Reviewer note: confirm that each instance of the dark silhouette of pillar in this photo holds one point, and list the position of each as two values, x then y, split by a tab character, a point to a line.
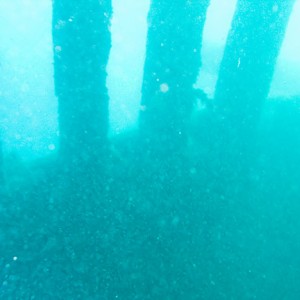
81	43
171	68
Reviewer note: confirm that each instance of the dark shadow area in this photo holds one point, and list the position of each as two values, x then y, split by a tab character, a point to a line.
135	231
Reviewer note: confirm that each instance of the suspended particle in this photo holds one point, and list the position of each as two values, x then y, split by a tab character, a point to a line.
57	48
51	147
275	8
60	24
164	88
143	108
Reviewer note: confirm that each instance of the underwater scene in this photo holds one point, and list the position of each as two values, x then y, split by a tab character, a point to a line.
150	149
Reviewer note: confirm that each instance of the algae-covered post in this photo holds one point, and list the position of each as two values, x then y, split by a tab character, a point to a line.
245	76
171	68
81	45
249	59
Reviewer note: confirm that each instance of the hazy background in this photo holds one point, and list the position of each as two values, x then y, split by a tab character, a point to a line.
28	107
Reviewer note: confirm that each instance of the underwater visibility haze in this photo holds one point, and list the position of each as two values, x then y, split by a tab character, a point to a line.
149	149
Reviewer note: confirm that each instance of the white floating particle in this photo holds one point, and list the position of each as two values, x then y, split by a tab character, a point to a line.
15	258
175	221
164	88
51	147
193	171
57	48
60	24
143	108
275	8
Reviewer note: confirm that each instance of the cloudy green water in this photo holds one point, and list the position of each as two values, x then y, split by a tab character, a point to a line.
132	235
27	55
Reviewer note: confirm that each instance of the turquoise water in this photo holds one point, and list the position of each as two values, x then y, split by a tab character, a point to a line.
149	150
